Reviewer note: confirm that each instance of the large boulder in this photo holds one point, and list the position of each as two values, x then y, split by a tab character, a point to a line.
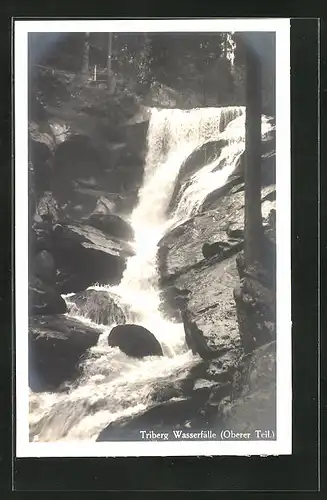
209	315
100	306
85	256
44	298
56	346
134	340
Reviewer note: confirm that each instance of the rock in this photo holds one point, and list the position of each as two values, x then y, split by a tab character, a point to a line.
204	386
218	392
56	346
209	250
44	267
105	206
182	248
252	404
221	368
256	310
177	385
85	256
42	139
174	414
44	298
99	306
172	301
201	156
48	209
268	160
209	314
134	340
112	225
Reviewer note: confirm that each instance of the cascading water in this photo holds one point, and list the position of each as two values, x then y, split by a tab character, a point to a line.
114	385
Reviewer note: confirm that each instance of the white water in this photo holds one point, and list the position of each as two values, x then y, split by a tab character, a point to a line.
114	385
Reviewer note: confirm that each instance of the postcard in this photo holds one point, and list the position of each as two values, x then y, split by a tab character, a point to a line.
152	237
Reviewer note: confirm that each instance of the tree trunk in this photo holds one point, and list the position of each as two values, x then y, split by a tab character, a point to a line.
86	54
109	55
111	79
252	175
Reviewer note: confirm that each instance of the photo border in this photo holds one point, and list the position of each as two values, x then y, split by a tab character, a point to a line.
285	473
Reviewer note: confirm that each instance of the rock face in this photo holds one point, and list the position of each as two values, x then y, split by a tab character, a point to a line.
220	222
134	340
44	298
201	156
112	225
210	316
89	255
81	254
252	403
45	267
174	414
99	306
56	346
41	147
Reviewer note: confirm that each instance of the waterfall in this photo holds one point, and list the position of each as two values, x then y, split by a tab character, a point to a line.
112	384
216	173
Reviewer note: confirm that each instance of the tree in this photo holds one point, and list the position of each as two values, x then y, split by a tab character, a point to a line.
111	77
252	174
86	54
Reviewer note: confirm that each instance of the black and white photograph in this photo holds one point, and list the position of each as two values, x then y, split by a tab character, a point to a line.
152	254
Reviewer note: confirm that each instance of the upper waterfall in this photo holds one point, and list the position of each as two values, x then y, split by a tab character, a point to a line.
173	134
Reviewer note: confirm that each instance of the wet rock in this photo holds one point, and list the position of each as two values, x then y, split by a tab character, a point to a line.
135	341
209	315
172	302
178	385
112	225
252	404
201	156
44	298
183	414
85	256
182	248
56	346
99	306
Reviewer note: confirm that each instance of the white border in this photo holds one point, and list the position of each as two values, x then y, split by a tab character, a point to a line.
283	444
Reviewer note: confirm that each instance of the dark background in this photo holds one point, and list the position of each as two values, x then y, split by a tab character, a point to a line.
296	472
